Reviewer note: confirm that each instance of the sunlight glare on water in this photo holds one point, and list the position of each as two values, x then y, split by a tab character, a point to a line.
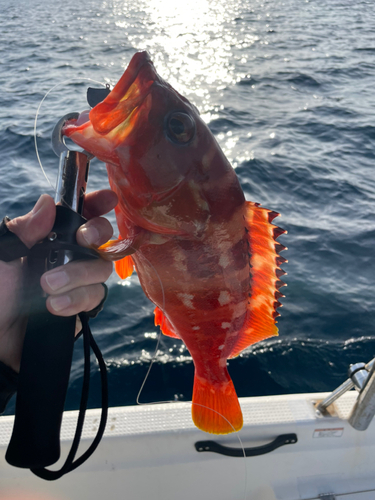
191	44
200	40
198	47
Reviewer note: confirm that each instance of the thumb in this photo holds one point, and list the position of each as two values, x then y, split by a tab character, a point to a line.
35	225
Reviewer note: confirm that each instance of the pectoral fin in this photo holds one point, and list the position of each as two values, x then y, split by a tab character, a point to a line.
120	248
124	267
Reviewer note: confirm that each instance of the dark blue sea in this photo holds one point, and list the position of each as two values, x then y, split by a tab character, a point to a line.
287	88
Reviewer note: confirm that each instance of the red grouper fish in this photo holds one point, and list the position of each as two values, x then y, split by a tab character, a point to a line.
205	257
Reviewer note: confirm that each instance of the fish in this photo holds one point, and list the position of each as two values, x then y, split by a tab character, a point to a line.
207	258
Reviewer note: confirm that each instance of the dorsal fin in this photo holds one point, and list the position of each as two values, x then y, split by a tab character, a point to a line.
264	276
164	323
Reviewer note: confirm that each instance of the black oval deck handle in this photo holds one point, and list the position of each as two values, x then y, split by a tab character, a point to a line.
229	451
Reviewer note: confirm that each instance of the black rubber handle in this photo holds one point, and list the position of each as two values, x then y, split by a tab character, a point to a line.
202	446
46	360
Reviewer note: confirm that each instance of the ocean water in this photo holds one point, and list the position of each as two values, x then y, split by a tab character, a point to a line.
287	89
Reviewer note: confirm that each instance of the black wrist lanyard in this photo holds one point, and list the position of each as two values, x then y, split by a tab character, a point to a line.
71	464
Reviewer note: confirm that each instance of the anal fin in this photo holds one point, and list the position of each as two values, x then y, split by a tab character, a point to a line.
164	323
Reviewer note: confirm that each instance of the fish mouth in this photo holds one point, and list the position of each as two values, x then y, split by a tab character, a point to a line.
126	97
115	116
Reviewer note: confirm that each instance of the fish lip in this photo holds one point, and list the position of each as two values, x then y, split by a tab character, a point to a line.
140	61
127	96
137	63
140	72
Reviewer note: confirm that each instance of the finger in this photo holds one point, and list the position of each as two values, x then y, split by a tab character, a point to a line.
95	232
37	224
76	301
79	273
99	203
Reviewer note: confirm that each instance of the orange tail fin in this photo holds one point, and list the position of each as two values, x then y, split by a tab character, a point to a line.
216	408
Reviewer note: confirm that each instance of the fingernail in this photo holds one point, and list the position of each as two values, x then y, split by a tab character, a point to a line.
57	280
90	234
60	303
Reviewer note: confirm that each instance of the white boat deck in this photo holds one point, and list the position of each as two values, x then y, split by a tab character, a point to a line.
148	453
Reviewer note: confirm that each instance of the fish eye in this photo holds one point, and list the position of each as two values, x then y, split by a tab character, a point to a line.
180	127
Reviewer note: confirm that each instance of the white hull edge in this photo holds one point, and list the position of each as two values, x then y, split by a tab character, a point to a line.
148	452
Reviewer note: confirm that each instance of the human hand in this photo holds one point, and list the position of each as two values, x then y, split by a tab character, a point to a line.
72	288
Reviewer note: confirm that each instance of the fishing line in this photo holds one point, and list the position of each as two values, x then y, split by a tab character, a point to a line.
66	82
235	433
153	358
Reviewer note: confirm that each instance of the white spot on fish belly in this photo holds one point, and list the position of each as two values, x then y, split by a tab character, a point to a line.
180	260
225	325
206	162
221	347
196	328
158	239
224	297
224	260
239	309
223	240
164	209
186	299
